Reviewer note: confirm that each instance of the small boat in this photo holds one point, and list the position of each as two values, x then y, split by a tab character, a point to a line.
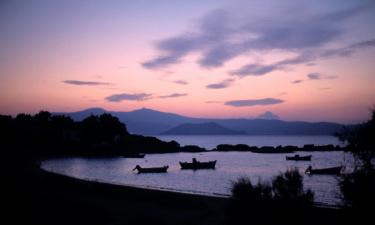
299	158
195	165
133	155
151	169
328	171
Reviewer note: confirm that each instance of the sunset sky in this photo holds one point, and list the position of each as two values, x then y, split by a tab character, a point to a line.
301	60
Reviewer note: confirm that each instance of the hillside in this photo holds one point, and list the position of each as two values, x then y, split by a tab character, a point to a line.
209	128
151	122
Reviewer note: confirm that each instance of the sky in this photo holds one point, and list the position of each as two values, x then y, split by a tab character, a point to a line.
293	60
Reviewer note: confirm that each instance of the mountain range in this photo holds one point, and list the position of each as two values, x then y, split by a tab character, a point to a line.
151	122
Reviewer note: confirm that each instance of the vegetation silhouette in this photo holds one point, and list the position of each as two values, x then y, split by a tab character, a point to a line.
284	198
45	135
358	187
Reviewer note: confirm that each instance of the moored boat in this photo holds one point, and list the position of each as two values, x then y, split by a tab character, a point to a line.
198	165
151	169
299	158
327	171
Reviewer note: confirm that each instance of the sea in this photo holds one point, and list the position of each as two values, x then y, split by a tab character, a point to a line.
229	168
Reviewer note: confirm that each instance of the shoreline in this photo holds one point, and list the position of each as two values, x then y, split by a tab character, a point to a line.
170	190
142	188
40	197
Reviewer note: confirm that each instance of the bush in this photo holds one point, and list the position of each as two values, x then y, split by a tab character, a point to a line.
288	188
244	190
358	189
283	195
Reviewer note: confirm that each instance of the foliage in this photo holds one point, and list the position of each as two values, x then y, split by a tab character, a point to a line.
45	134
288	188
285	188
244	190
361	141
358	189
284	194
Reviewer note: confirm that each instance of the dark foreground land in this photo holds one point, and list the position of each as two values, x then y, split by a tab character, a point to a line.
38	197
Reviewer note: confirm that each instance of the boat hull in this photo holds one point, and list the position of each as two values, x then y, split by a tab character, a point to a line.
153	170
198	165
299	158
325	171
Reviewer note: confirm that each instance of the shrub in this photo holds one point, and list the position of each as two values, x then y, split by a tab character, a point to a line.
288	188
270	203
244	190
358	189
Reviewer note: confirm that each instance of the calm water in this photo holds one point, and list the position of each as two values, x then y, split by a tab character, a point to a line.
230	166
211	141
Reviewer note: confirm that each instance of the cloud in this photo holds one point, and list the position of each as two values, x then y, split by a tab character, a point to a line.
182	82
319	76
223	84
307	57
82	83
174	95
255	69
254	102
268	116
314	76
128	97
297	81
259	69
224	34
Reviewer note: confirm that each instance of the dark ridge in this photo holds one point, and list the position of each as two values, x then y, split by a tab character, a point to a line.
151	122
209	128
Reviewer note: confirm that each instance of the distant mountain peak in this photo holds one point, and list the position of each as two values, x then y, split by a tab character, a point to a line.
144	110
268	115
93	110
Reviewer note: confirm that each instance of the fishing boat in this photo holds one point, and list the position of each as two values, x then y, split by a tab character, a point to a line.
151	169
328	171
299	158
195	165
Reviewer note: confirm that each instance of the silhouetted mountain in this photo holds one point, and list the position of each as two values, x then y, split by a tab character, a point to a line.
80	115
209	128
150	122
279	127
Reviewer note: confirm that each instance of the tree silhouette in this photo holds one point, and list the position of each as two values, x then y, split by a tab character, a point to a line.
361	141
358	187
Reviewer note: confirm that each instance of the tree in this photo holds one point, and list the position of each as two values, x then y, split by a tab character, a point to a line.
358	187
361	141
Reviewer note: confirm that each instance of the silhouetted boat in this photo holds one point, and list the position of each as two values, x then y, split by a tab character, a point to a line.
329	171
133	155
151	169
198	165
299	158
